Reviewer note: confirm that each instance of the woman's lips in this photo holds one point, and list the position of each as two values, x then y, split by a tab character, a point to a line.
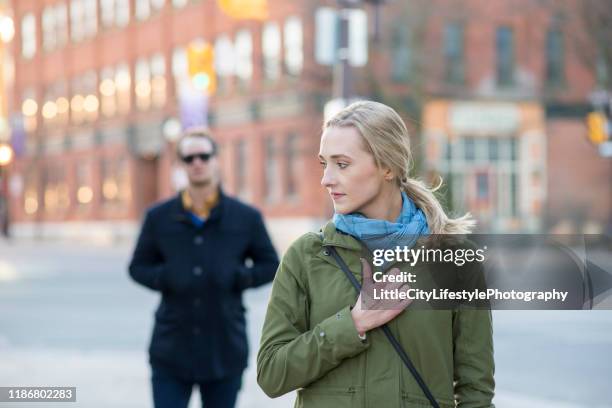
336	196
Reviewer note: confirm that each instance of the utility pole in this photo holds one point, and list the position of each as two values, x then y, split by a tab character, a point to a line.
600	133
342	70
343	91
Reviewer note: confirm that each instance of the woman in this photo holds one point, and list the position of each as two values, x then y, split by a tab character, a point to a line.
317	339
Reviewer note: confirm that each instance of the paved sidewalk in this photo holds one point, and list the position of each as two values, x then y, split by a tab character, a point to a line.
70	316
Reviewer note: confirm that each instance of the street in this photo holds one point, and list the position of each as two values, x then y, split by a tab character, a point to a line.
71	316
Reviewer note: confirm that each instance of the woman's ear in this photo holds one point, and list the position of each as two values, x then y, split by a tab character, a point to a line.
388	174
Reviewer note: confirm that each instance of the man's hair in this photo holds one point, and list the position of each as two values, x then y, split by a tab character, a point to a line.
202	133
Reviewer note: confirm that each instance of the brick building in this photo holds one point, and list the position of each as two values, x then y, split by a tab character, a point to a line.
497	92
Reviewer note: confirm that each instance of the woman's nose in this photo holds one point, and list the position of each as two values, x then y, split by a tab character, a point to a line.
328	178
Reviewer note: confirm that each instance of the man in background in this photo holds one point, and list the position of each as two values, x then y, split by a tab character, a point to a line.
201	250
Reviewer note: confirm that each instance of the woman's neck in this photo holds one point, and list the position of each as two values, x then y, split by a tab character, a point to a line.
387	207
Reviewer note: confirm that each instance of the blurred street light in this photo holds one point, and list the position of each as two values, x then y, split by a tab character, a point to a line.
6	154
171	129
245	9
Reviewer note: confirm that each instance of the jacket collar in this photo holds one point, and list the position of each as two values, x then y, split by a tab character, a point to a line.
333	237
179	212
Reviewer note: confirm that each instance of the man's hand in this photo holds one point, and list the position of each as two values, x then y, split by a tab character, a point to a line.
378	311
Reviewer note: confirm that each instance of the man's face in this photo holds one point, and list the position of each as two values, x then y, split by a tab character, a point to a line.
199	161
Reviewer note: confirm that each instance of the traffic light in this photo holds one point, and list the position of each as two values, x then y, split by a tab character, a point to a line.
597	124
201	67
245	9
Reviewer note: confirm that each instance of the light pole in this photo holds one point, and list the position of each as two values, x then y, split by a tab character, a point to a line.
6	156
600	131
7	31
343	92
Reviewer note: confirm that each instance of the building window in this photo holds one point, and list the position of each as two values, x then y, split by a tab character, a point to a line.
91	104
77	13
482	186
555	56
294	38
122	12
28	36
123	86
469	149
77	110
55	187
180	72
90	16
150	78
514	196
158	80
84	190
107	13
30	195
241	170
271	48
224	61
293	165
271	170
108	92
115	181
63	108
504	41
54	27
61	24
29	109
157	4
401	55
602	72
115	13
84	104
244	56
454	40
179	3
143	9
326	35
50	107
48	28
142	77
493	151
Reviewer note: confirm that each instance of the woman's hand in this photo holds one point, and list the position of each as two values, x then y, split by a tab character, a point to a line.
378	311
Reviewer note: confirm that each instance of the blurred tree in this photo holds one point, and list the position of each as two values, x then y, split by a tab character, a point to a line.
404	47
593	41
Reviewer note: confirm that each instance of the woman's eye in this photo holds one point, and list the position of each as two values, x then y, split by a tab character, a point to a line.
323	164
343	165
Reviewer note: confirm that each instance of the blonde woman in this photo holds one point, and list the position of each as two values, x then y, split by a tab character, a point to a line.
318	339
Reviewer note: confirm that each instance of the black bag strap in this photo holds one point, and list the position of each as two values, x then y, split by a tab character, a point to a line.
396	345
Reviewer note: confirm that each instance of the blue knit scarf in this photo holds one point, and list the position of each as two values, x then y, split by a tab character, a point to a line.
382	234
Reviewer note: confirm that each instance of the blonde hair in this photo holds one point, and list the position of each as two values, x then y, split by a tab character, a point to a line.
386	137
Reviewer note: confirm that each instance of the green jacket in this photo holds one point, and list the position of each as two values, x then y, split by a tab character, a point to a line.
309	342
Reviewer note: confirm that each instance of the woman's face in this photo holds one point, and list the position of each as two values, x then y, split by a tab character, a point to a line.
350	173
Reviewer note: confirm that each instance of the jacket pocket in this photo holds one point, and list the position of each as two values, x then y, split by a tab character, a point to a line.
332	397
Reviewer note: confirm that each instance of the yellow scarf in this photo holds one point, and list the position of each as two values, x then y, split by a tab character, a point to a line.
203	211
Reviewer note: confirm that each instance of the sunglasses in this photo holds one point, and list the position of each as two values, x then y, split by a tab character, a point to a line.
191	157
